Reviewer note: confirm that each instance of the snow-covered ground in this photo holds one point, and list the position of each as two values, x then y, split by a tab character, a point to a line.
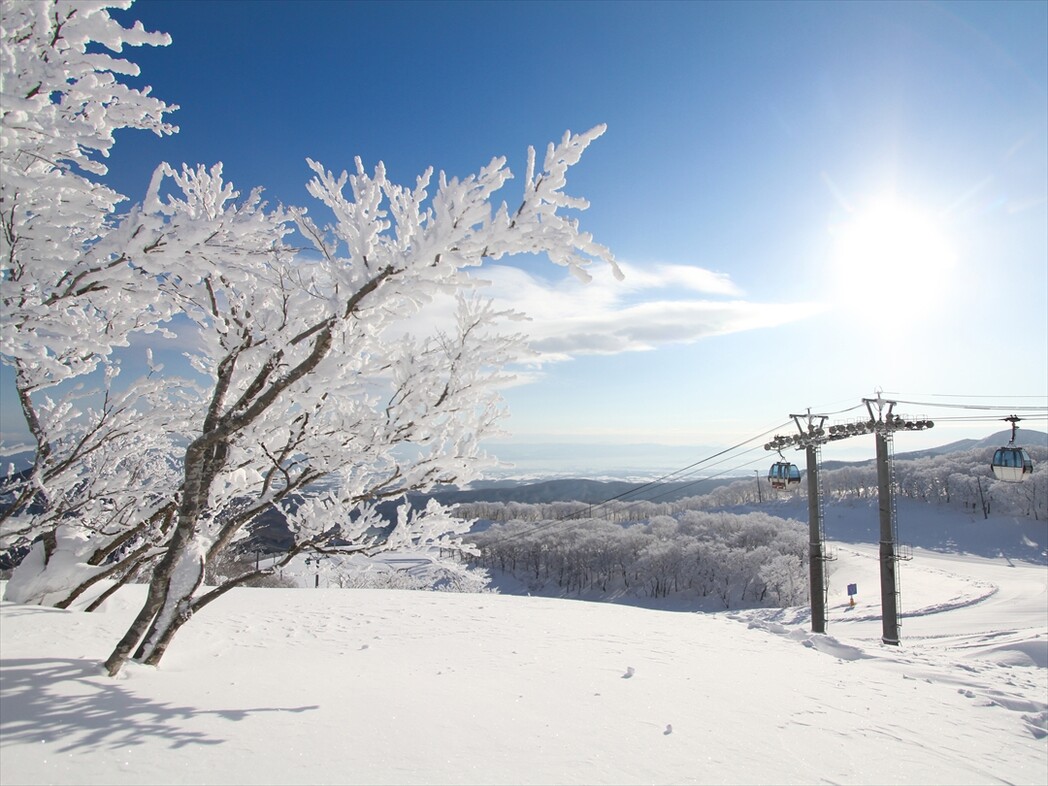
383	686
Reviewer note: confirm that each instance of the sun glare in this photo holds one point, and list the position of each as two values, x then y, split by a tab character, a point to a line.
890	256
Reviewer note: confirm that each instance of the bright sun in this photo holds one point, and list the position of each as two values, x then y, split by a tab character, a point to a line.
890	256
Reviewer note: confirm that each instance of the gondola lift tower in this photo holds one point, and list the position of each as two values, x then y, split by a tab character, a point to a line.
813	434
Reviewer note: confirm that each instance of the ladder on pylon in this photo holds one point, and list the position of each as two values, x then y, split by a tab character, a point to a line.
901	553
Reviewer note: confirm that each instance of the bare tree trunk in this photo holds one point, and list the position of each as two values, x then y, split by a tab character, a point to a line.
159	601
154	600
174	611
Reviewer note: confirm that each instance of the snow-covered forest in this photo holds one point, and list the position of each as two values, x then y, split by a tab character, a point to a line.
740	560
704	549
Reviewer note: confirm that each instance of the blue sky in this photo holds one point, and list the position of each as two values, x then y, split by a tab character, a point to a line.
811	200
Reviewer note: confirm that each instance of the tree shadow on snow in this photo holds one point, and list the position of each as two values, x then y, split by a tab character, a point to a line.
72	700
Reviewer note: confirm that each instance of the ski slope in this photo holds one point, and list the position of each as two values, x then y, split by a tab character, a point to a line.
397	687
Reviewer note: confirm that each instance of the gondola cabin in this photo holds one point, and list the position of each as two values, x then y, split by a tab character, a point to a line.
1011	464
783	475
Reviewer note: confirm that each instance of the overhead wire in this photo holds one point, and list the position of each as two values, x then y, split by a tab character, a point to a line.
984	418
971	395
860	405
677	488
976	407
703	479
693	466
581	516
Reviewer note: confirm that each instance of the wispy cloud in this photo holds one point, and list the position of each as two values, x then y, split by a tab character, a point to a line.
654	306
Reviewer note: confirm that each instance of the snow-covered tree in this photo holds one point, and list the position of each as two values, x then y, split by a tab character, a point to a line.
370	363
66	262
318	370
109	482
73	289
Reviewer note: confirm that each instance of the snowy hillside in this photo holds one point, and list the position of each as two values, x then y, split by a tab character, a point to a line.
399	687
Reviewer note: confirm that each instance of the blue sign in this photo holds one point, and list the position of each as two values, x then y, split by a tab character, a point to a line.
853	589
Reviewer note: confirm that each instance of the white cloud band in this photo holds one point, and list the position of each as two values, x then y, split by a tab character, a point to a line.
652	307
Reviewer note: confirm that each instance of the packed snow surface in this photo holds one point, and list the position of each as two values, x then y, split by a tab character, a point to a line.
326	686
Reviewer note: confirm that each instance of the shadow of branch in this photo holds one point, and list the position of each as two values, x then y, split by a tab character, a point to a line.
37	702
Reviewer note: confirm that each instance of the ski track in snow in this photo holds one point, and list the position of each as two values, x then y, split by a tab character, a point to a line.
1000	668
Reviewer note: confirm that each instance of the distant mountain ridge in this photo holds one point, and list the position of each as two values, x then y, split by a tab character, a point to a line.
598	491
577	490
1024	437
